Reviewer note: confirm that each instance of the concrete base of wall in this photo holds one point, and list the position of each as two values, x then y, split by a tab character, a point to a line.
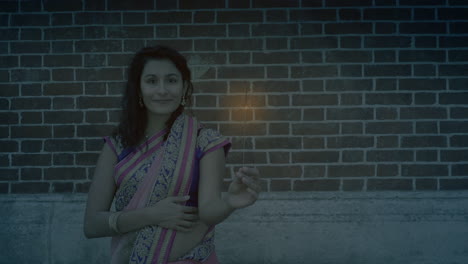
361	228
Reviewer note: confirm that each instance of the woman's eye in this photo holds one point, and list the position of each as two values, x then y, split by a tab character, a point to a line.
172	80
152	81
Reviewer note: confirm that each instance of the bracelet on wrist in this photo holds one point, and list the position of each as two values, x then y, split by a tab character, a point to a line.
113	218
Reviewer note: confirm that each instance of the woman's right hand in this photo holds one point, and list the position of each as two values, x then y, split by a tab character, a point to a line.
171	214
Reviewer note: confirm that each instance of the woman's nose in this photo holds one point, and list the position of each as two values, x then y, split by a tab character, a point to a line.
161	88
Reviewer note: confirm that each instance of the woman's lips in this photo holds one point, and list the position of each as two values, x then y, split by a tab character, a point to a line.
163	101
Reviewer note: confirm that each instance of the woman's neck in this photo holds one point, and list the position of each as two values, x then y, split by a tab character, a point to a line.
156	123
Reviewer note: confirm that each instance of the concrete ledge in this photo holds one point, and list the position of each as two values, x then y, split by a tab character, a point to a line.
329	227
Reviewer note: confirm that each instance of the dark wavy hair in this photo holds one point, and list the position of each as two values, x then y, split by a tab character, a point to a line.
134	119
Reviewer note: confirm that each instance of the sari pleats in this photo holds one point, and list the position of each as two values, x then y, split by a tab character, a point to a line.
179	185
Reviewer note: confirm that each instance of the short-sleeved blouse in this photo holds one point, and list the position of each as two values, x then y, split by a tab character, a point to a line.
208	140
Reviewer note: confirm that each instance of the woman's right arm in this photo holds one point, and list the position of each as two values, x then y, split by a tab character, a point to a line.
100	196
167	213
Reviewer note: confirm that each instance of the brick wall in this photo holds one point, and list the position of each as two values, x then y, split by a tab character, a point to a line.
331	95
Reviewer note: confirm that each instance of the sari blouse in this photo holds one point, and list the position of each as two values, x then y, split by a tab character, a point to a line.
133	165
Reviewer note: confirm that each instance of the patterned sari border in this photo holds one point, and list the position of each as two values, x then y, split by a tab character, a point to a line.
135	163
182	175
184	159
160	246
141	147
183	182
172	177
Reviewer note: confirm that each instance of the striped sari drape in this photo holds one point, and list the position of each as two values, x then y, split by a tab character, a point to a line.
169	171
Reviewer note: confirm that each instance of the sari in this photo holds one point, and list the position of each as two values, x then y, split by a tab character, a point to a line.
153	171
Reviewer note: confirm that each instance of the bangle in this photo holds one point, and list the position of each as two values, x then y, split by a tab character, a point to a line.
113	222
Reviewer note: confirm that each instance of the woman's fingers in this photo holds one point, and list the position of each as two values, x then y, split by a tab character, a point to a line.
189	209
252	183
250	177
238	177
183	225
253	193
179	199
186	224
182	229
190	217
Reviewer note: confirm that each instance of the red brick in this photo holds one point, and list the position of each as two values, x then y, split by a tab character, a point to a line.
277	114
279	157
201	4
389	185
281	172
257	129
316	185
202	31
315	129
274	3
239	16
278	143
241	72
315	156
30	187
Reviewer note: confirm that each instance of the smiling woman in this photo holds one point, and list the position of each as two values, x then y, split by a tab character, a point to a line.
164	170
162	88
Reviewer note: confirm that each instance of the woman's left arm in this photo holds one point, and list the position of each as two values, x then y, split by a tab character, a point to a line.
243	190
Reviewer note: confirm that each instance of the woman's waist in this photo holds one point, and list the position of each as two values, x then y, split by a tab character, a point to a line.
199	236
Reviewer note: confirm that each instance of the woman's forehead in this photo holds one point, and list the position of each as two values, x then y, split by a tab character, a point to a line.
160	67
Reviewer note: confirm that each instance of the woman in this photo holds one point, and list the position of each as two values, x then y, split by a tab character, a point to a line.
164	171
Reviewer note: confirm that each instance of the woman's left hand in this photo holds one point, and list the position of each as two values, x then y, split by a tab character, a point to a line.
244	189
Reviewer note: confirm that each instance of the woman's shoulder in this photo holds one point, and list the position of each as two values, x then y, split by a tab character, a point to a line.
207	133
209	138
115	143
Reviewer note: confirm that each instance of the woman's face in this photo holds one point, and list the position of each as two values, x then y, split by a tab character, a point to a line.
162	87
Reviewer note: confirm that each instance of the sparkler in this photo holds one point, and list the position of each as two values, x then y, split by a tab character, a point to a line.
245	108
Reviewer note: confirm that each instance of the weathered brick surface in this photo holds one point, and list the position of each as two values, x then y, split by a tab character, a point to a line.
339	95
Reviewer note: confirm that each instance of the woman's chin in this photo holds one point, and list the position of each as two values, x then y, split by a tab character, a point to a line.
166	111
